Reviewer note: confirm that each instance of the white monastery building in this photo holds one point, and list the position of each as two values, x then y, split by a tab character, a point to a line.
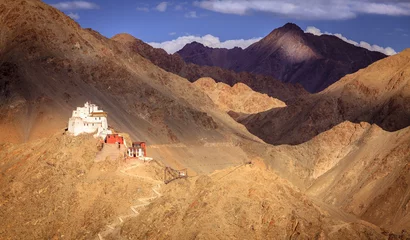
89	119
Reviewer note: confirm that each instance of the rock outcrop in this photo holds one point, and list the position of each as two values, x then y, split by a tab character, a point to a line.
239	98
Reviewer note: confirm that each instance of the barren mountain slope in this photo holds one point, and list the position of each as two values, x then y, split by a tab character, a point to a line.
246	202
49	66
358	168
372	179
377	94
290	55
239	98
175	64
57	190
51	188
381	90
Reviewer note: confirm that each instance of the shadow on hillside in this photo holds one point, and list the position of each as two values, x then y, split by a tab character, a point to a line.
305	118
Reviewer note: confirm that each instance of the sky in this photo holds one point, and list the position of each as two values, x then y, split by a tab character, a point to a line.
379	25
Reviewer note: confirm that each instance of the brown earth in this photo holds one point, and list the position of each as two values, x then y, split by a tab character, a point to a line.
357	168
175	64
377	94
239	98
246	202
49	66
52	189
343	184
290	55
341	178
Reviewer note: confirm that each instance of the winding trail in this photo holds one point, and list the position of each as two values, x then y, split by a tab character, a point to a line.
143	201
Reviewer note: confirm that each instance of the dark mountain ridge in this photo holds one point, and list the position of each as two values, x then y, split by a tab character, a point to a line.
175	64
378	94
290	55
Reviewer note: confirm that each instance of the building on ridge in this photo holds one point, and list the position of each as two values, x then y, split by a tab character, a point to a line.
89	119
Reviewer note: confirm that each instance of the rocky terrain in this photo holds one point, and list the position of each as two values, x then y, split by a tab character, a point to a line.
175	64
357	168
377	94
47	70
290	55
239	98
52	189
333	165
245	202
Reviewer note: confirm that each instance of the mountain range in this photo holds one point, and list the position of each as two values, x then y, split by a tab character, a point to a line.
47	70
175	64
293	165
377	94
290	55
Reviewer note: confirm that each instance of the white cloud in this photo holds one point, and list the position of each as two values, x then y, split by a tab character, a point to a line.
143	9
191	14
179	7
313	30
75	5
207	40
172	33
74	16
162	7
304	9
383	8
388	50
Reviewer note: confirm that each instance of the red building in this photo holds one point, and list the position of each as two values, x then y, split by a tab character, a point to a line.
138	149
114	138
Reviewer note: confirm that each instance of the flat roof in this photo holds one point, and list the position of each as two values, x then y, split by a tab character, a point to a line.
99	114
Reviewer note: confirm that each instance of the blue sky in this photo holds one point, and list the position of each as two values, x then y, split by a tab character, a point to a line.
171	24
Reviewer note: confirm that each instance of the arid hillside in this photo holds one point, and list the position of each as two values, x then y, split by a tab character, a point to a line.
52	188
175	64
49	65
246	202
57	189
343	176
290	55
358	168
370	177
239	98
377	94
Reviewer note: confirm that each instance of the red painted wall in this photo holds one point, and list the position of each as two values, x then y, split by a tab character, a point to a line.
114	138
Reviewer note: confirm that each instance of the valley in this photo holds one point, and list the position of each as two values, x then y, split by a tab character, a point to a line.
295	137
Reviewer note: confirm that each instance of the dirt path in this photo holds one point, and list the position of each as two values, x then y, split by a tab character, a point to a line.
142	201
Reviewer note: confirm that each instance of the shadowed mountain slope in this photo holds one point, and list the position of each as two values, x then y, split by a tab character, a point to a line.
357	168
290	55
175	64
49	65
377	94
330	187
